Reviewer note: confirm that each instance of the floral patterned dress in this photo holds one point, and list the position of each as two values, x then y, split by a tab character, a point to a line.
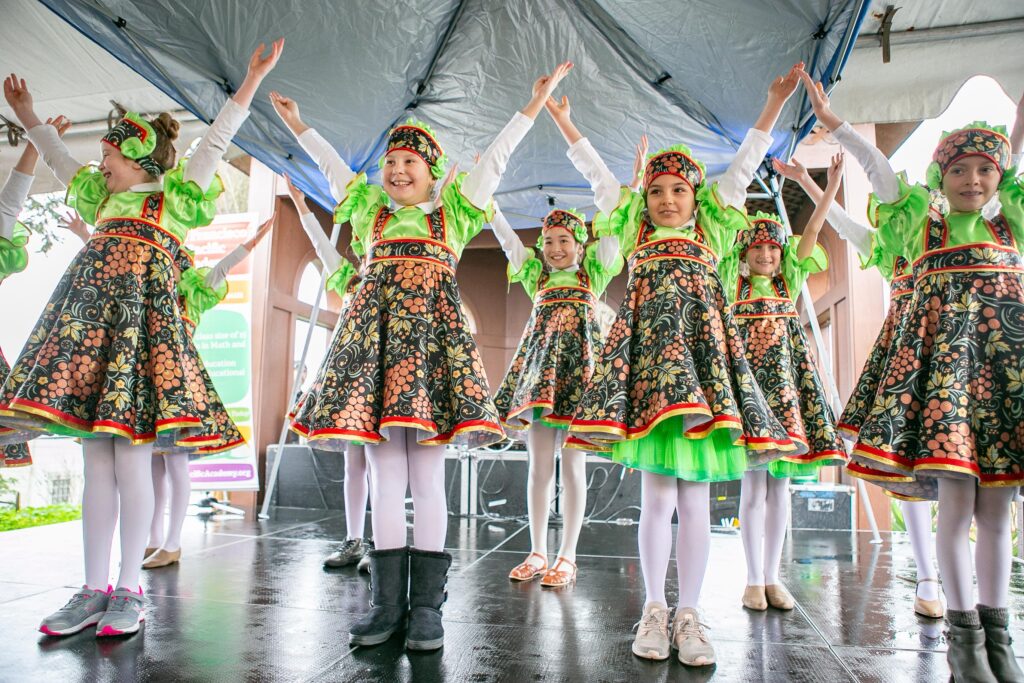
13	259
403	355
110	353
672	392
951	402
778	353
555	357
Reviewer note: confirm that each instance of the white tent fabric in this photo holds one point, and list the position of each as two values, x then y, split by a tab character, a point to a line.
694	72
936	46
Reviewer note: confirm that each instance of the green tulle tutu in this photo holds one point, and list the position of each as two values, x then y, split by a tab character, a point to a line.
666	451
780	469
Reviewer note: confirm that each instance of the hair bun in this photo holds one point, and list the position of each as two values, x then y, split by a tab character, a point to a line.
166	126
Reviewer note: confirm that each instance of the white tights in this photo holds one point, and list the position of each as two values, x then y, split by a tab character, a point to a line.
660	496
764	516
397	464
118	483
917	515
542	442
960	500
170	475
356	490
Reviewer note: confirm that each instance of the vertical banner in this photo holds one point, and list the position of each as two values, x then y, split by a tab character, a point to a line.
224	341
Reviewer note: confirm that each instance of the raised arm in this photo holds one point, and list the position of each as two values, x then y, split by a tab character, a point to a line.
585	158
219	272
46	139
1017	135
482	180
516	253
325	251
327	159
883	179
15	190
810	237
853	231
202	165
732	186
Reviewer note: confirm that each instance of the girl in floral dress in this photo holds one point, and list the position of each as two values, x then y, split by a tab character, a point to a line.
550	370
917	514
672	393
403	374
763	277
949	417
110	360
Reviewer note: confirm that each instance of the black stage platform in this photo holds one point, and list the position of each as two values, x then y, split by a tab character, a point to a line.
250	602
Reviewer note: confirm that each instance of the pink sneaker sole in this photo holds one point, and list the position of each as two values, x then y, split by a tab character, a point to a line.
111	631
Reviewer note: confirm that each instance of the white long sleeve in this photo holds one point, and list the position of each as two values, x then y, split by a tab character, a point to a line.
202	165
325	251
732	185
54	152
880	174
516	253
12	198
854	232
482	180
330	163
219	272
608	251
602	181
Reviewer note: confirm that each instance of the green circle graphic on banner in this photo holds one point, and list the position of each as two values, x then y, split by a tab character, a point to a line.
222	340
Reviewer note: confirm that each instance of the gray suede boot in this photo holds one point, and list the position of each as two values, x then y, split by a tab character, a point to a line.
428	574
389	597
999	645
966	655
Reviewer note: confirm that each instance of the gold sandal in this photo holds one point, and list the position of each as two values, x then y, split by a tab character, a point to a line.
526	571
558	578
930	609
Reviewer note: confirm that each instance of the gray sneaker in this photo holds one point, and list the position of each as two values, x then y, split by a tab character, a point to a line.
350	552
85	608
651	640
127	609
689	638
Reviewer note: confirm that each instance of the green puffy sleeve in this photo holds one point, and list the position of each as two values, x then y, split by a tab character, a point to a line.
86	192
623	221
359	208
339	279
187	203
13	254
796	270
1011	196
197	295
600	274
463	221
719	222
729	271
529	274
900	225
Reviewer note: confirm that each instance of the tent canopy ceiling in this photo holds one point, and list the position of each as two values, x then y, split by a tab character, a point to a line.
693	72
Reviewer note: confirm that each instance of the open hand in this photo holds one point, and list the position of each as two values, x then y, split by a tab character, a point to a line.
794	170
784	86
835	169
640	161
16	93
61	123
260	233
546	84
260	66
74	224
286	107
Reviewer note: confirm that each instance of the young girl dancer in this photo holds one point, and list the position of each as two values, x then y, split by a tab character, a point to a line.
763	276
916	513
550	370
110	360
672	392
948	414
343	281
403	374
14	236
199	290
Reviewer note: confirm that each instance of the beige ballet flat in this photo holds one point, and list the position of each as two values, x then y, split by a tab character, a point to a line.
930	609
754	598
150	551
779	597
162	558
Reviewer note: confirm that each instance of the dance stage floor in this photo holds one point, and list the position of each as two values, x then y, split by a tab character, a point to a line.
250	601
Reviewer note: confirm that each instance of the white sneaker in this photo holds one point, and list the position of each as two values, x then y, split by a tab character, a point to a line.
689	638
651	640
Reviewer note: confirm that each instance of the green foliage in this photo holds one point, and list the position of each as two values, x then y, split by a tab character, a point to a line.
29	517
40	215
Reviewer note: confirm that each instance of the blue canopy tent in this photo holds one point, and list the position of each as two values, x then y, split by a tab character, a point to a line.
693	72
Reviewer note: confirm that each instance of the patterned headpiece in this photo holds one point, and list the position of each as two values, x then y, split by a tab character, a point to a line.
416	137
978	138
571	220
765	228
136	140
675	160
